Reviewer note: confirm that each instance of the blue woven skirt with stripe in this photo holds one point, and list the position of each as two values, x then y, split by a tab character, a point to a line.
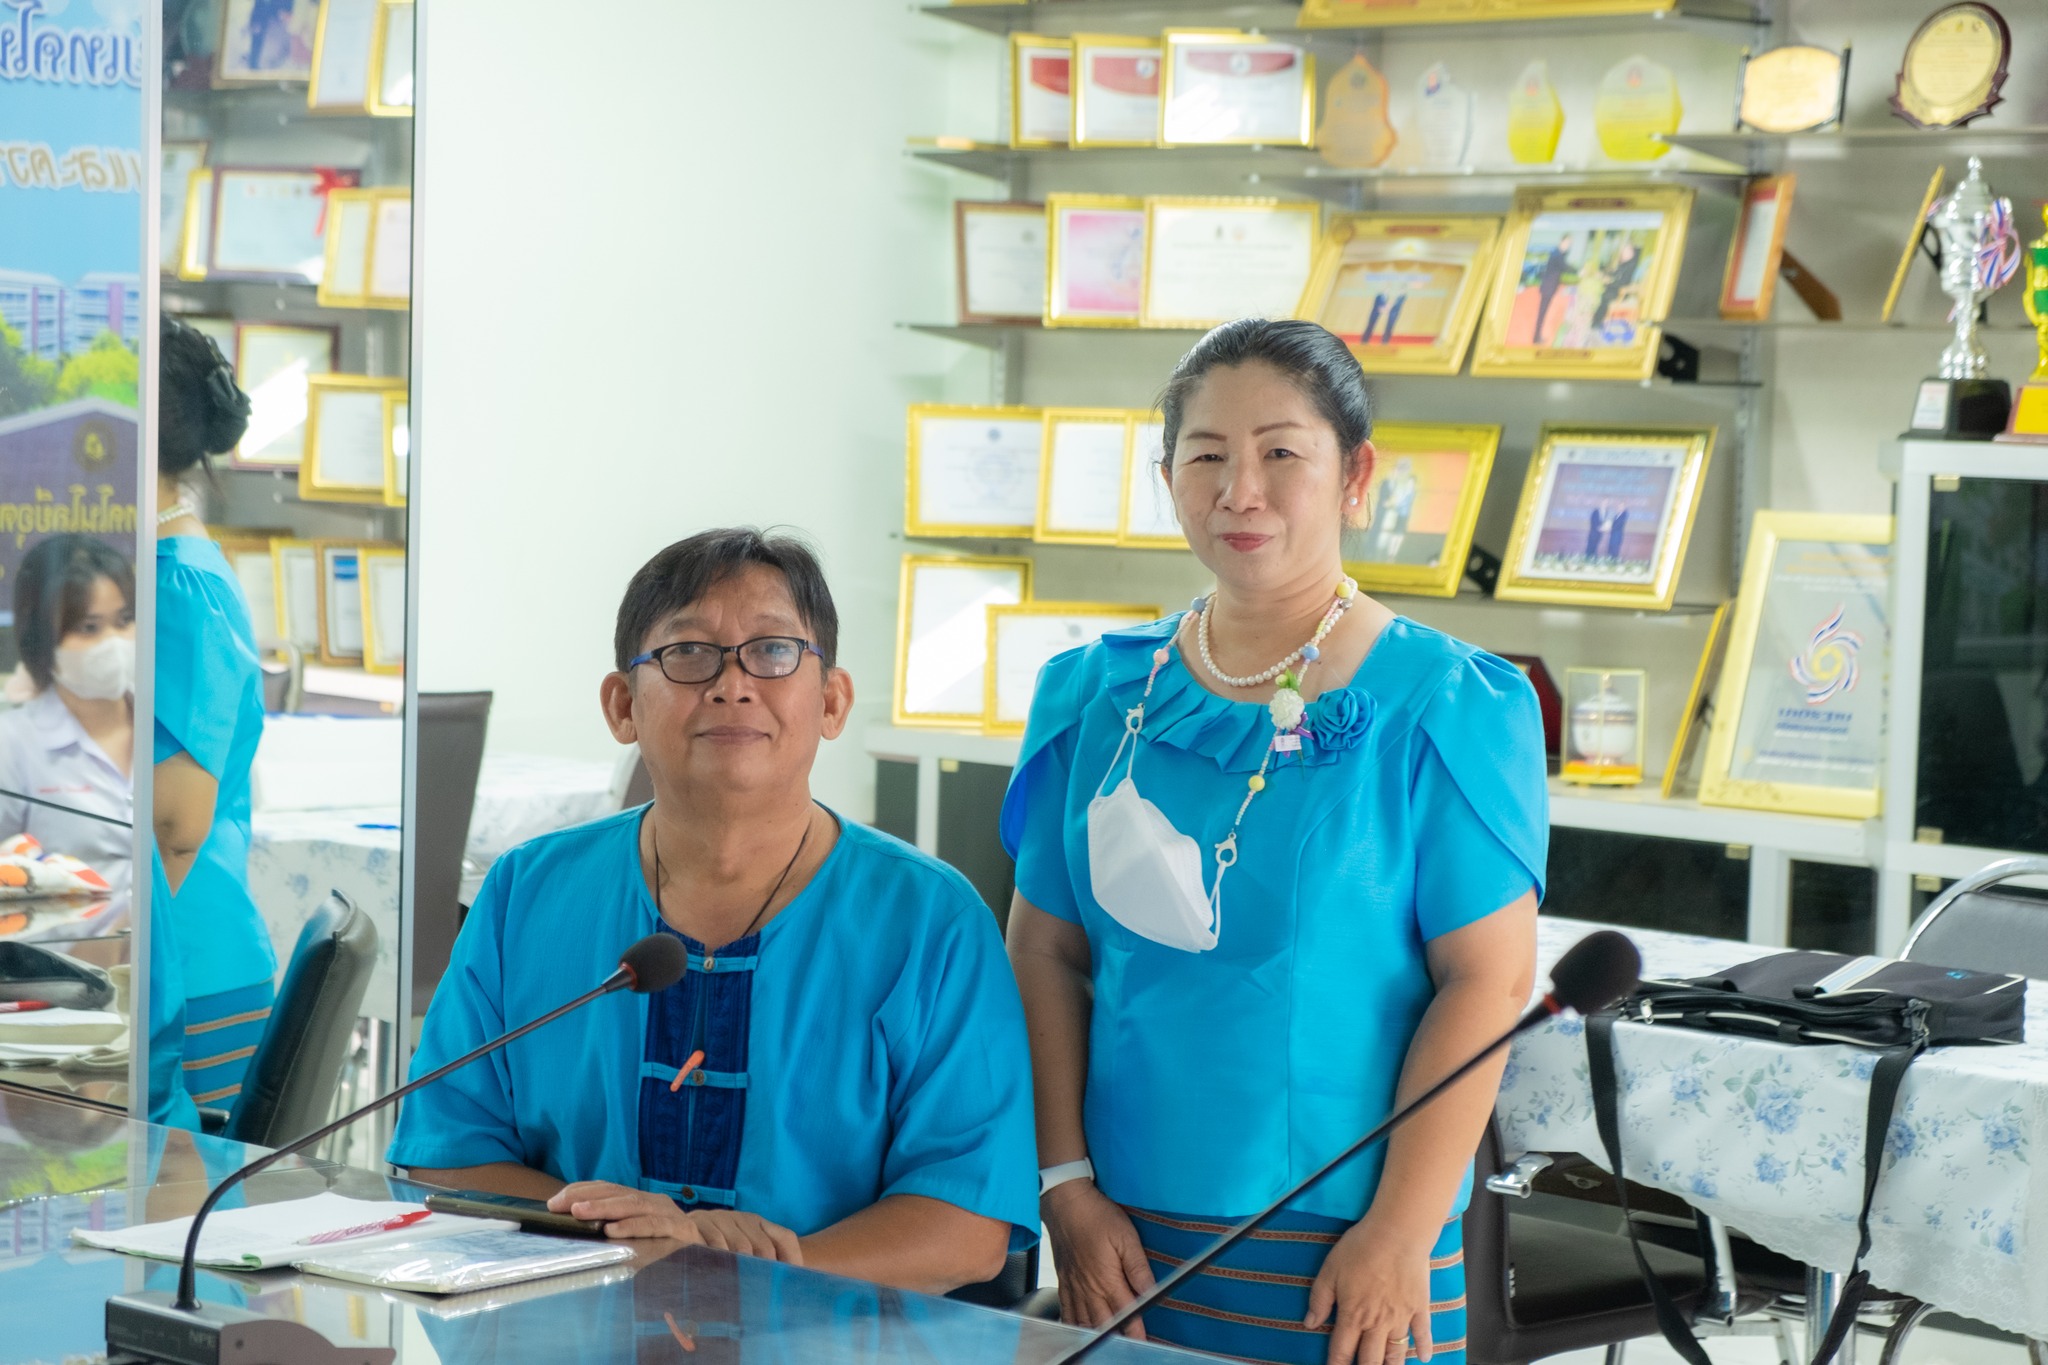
221	1033
1249	1305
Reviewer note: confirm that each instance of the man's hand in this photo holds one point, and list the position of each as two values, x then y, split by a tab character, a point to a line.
631	1213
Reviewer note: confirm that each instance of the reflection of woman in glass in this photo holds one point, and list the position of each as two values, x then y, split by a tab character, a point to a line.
209	716
72	741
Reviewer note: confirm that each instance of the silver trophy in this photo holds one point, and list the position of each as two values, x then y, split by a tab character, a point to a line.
1971	225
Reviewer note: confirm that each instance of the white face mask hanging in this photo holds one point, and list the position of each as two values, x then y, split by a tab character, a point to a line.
104	671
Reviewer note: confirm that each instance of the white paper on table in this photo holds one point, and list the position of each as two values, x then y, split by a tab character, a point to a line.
329	763
384	589
391	252
1004	263
301	596
269	222
1234	100
265	1235
1085	485
351	228
1150	515
1114	103
949	634
344	603
1026	642
350	440
978	471
1216	264
348	36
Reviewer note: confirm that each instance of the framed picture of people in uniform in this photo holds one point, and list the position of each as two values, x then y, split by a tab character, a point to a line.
1584	277
942	634
1404	291
1605	516
1428	480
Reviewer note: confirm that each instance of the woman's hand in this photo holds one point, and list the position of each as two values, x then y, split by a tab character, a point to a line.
1378	1285
1101	1263
630	1213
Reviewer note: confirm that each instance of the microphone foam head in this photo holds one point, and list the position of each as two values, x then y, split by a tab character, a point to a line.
1596	971
656	962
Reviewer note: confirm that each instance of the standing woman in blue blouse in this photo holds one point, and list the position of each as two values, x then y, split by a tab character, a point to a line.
209	716
1278	861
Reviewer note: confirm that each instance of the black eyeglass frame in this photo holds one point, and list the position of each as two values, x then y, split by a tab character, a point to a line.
654	656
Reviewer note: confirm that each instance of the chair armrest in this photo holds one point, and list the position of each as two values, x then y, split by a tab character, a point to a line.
213	1121
1516	1180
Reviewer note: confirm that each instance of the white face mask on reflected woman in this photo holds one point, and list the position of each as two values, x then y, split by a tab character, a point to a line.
104	671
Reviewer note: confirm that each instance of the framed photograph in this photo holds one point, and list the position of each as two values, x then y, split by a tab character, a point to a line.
392	91
297	571
382	569
1799	724
1081	476
1041	90
197	233
1148	521
254	565
269	225
341	601
397	447
1699	700
347	442
1222	88
181	160
1428	480
1404	291
1210	261
1023	638
345	276
265	42
1584	276
1605	516
273	363
999	260
1095	273
344	57
1758	249
942	634
973	471
390	269
1116	90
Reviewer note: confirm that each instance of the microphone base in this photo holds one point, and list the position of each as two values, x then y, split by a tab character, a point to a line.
146	1328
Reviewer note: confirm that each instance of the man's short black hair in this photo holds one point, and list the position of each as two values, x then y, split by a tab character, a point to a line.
688	569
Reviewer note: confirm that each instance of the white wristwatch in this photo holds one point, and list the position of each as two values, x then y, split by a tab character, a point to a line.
1051	1177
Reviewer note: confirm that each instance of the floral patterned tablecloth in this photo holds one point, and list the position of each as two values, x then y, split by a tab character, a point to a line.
1769	1138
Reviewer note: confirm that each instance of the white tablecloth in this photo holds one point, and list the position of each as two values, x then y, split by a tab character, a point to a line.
1769	1138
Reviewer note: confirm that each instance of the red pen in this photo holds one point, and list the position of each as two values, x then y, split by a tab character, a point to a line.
24	1006
403	1220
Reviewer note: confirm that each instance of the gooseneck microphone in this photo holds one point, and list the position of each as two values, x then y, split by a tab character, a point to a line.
1595	972
181	1331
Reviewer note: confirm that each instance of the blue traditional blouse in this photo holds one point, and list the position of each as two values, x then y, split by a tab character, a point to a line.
1415	806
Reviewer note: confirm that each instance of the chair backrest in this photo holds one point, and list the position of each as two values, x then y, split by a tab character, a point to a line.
452	729
1489	1316
290	1083
1007	1289
1976	927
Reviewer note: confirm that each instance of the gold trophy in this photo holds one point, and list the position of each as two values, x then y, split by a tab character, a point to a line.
2030	406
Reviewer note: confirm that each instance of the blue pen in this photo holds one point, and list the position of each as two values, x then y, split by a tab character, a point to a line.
375	826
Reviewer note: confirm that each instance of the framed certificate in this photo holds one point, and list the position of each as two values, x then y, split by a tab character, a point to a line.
390	270
1023	638
1235	88
344	57
1404	291
1116	90
1698	702
181	160
298	593
382	570
255	569
1095	274
1800	723
1758	249
347	441
1348	13
973	471
1081	477
1148	520
1041	85
345	276
269	224
197	232
1584	277
1427	483
1210	261
273	363
942	634
999	257
340	564
215	328
392	91
1914	234
1605	516
264	42
397	448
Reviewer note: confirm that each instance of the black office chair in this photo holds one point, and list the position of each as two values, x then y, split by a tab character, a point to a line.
452	730
1012	1291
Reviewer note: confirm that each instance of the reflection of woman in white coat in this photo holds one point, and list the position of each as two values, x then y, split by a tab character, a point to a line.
71	742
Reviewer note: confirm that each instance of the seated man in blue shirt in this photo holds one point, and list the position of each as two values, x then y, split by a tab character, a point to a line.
863	1102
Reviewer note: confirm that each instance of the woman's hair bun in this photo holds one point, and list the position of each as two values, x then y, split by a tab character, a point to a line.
201	410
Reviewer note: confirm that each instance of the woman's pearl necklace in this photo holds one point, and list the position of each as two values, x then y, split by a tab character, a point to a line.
1347	590
174	511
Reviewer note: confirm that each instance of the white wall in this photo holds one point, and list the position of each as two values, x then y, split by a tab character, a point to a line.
665	247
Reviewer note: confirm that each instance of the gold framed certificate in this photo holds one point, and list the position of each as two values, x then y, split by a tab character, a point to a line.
397	447
347	441
1954	68
344	57
1081	476
388	279
1041	90
1800	723
1751	279
1210	261
250	559
1116	90
1148	520
1584	276
1795	88
1428	480
1404	291
973	471
297	565
1095	266
181	161
341	601
1605	516
1024	638
1237	89
392	90
265	42
268	225
197	232
383	588
345	277
273	364
942	634
999	256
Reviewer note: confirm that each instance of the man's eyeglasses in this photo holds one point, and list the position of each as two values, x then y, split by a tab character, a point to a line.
700	661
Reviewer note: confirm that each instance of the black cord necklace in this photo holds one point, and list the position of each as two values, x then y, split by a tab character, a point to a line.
661	880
